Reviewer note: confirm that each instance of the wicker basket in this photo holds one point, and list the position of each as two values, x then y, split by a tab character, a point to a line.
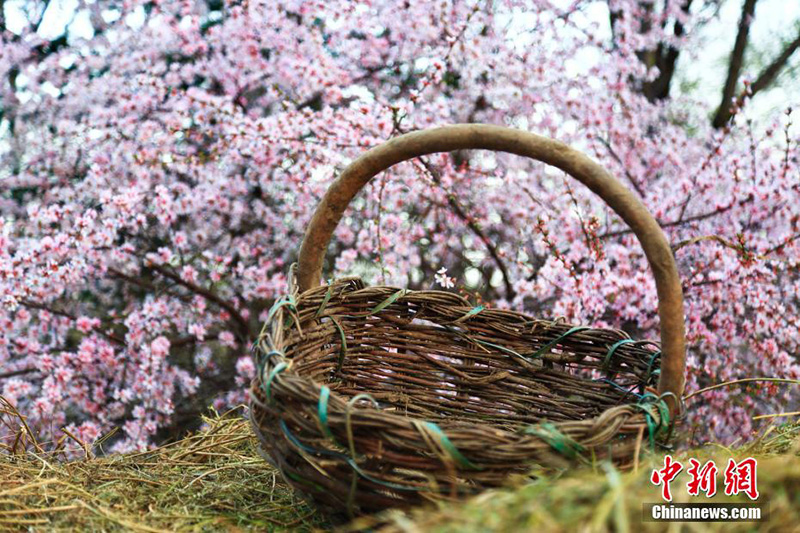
374	397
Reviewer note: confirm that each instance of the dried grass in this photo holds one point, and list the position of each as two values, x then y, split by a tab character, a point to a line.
211	481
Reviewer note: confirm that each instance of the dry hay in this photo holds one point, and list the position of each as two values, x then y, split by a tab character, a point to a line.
211	481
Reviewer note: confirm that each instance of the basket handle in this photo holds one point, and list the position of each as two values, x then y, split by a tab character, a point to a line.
579	166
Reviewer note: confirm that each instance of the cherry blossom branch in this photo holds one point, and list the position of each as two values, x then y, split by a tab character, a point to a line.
461	213
139	282
738	247
15	373
98	329
244	327
622	165
687	220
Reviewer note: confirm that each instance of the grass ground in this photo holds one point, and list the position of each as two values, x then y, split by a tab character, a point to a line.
216	481
212	481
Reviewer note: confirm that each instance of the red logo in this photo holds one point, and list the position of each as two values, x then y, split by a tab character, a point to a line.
703	478
738	477
741	477
665	476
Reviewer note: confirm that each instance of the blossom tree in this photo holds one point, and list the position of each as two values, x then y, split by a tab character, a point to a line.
158	167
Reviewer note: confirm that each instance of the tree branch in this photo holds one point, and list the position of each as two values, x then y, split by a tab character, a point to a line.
680	221
723	114
21	372
244	327
769	74
625	170
460	213
666	60
99	329
664	57
2	17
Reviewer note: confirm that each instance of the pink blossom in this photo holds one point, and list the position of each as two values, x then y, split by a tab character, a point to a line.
14	388
443	279
88	432
246	370
198	330
227	339
86	324
160	347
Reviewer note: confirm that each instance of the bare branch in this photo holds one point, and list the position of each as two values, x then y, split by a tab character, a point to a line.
723	114
666	60
2	16
769	74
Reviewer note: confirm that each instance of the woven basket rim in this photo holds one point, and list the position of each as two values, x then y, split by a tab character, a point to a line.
391	415
639	418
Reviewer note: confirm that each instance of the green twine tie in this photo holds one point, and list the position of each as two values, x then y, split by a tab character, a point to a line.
482	342
612	351
287	300
474	311
294	440
548	432
448	446
343	345
325	300
646	404
280	367
263	360
389	301
650	370
547	347
496	346
322	412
